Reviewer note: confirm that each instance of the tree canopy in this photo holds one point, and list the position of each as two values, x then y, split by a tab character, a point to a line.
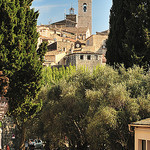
128	41
94	108
19	59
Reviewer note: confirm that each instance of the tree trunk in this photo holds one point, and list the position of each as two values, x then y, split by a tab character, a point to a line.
82	147
22	140
47	146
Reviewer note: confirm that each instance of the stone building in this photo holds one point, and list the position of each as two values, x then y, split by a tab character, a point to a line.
53	58
70	40
74	26
86	59
85	14
72	16
97	42
80	25
65	45
64	23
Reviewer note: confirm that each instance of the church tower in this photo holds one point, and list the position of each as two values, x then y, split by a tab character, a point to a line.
85	14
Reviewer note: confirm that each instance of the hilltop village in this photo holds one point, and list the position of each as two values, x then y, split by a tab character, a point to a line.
70	41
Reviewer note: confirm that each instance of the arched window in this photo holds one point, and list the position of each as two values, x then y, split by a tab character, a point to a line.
85	7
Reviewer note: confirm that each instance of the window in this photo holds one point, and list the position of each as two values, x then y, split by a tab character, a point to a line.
143	144
81	57
148	144
96	57
85	7
64	49
89	57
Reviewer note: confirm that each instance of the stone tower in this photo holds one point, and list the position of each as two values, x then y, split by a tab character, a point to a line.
85	14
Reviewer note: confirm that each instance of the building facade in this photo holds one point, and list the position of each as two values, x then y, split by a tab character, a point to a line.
141	131
85	59
85	14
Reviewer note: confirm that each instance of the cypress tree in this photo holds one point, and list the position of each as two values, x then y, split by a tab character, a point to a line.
128	41
114	45
19	59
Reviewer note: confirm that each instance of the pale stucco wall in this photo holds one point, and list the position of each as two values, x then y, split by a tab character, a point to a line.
142	134
60	58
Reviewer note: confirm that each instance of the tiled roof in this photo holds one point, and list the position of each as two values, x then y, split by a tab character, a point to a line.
103	32
63	22
75	29
142	122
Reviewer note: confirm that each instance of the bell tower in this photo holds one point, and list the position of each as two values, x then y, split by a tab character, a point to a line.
85	14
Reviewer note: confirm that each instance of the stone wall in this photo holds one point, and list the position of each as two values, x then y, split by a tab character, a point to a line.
64	45
96	41
85	17
87	60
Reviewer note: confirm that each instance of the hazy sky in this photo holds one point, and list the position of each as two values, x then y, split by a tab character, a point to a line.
54	10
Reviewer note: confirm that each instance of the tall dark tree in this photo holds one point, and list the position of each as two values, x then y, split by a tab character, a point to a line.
19	59
128	41
115	52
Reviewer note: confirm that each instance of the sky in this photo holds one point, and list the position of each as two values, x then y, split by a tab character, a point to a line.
54	10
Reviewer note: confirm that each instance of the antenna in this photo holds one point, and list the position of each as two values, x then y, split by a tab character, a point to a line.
65	13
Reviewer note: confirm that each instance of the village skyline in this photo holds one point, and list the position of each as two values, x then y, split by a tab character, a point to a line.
53	11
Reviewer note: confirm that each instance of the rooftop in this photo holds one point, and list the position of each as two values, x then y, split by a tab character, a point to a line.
106	32
63	22
85	52
142	122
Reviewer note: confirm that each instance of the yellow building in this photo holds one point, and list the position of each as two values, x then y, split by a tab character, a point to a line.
141	130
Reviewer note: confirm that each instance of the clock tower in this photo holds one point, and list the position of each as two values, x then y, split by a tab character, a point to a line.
85	14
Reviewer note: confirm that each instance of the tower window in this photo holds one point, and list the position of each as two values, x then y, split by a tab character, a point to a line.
89	57
85	7
81	57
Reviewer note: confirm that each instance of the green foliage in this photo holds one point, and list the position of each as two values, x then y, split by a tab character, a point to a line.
128	40
98	128
42	50
19	59
53	75
95	108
